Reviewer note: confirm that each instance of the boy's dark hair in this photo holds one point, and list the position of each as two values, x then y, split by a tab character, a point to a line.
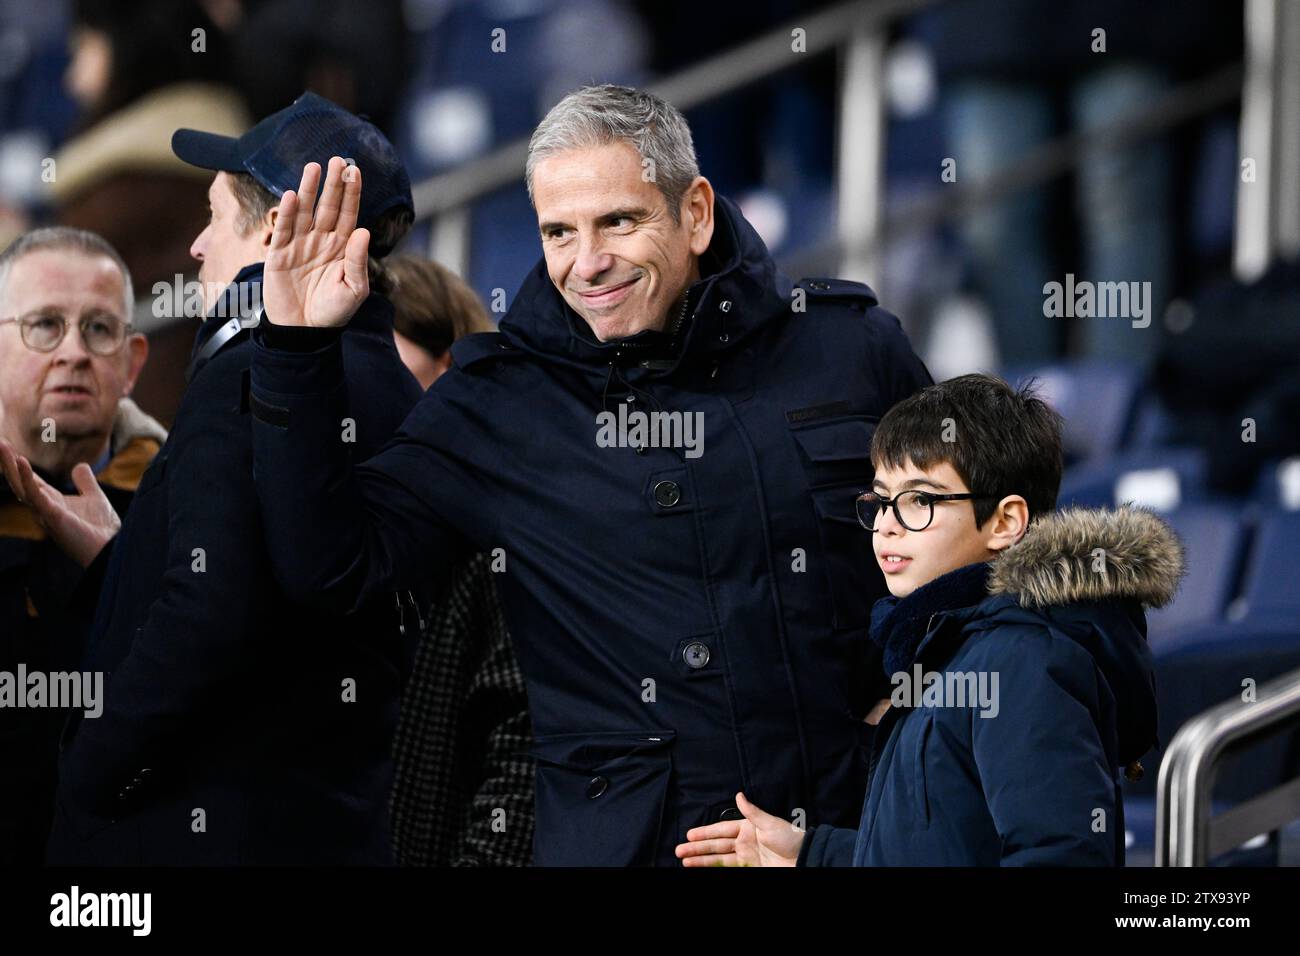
1000	441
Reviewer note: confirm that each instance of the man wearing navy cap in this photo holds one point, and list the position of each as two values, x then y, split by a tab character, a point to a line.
238	727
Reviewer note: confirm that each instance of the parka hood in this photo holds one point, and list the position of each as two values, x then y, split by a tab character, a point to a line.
1091	555
1087	573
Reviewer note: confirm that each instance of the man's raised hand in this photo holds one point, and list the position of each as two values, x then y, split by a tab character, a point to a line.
315	271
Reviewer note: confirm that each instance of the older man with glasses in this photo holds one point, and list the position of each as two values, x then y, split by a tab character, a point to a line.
68	360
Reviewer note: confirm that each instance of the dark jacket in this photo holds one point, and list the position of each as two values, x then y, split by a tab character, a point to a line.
1028	775
687	625
238	727
42	626
463	786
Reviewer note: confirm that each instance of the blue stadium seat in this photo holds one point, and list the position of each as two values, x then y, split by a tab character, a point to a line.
1163	480
1279	484
1096	399
1272	584
1152	423
1214	540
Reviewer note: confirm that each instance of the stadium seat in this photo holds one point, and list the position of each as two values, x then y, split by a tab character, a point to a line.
1152	423
1214	541
1279	484
1271	589
1162	480
1095	398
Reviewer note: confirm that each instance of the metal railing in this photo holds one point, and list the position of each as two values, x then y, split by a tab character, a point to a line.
1268	214
1186	833
858	29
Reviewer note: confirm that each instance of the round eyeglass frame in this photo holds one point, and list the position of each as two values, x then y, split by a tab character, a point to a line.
24	328
880	502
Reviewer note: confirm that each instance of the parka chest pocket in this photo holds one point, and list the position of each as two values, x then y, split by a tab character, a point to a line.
836	457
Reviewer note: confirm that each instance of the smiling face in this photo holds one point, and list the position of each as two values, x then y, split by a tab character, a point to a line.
225	246
612	247
76	388
911	559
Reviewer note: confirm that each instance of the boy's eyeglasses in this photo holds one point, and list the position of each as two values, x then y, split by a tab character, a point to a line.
42	332
913	509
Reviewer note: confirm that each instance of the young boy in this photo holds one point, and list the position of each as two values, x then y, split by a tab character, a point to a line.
1015	641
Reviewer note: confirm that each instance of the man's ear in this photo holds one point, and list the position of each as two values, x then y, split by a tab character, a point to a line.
1007	524
137	347
698	214
268	225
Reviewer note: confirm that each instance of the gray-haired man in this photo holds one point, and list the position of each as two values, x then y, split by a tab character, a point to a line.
661	447
68	361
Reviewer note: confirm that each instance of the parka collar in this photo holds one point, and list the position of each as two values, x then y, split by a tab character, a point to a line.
900	626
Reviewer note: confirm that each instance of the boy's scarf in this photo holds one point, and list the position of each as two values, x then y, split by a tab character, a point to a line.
898	625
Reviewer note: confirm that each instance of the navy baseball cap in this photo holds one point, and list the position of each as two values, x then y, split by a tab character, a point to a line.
311	129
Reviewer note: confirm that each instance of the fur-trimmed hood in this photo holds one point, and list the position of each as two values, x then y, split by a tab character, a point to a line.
1087	574
1092	555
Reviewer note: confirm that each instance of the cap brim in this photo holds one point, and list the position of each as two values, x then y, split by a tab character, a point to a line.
208	150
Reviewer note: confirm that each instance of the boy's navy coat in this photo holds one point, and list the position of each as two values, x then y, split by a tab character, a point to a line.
687	626
224	696
1037	784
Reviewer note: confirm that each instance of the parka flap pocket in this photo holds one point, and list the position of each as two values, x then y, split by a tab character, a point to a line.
848	555
601	797
837	504
843	440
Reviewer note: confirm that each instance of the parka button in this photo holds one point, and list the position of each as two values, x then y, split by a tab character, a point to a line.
730	813
667	494
597	786
724	305
695	654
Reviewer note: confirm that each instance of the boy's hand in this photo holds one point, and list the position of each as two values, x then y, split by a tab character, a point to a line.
80	524
758	840
315	271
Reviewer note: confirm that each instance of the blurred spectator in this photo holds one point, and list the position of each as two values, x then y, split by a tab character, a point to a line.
1231	380
463	788
35	113
67	362
140	69
352	52
433	307
1015	73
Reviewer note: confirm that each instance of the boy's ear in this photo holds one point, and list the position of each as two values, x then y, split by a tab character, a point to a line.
1007	524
